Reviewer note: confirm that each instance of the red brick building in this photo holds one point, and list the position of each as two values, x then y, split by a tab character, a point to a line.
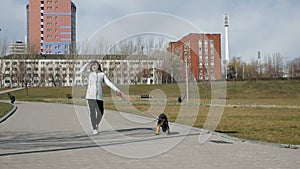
204	51
51	26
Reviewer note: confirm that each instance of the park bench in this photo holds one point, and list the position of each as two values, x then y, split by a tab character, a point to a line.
145	96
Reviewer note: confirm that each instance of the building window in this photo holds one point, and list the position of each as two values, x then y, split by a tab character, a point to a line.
206	62
212	58
212	74
205	42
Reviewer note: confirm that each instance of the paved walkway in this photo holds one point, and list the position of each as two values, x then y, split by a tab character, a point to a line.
46	135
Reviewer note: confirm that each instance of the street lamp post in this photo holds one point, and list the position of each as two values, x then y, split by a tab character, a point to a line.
186	55
226	25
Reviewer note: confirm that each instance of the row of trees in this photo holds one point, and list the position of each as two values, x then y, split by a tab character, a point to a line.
269	67
146	47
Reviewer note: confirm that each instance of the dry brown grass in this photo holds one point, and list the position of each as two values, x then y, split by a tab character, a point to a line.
278	125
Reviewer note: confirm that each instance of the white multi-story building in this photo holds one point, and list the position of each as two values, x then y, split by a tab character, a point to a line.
52	70
17	47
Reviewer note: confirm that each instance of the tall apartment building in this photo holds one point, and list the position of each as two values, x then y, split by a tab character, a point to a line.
51	26
203	53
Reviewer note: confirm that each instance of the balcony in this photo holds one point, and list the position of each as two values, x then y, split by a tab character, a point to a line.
42	23
42	41
42	5
42	35
42	11
42	29
42	17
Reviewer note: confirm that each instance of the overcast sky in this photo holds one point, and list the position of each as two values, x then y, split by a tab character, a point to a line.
268	26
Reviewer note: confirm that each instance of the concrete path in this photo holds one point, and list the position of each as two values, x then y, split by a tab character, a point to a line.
45	135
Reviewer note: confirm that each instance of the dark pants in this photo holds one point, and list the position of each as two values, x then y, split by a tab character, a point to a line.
96	111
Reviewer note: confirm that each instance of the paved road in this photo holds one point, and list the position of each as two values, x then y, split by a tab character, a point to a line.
43	135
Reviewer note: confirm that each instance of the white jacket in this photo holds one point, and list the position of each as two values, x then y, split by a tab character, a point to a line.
95	81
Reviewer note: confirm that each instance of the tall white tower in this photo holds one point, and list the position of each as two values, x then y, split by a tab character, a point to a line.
226	25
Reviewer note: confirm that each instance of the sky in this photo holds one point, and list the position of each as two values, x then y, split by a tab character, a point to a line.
268	26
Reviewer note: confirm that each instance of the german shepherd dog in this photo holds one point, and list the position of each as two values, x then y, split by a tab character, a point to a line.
162	122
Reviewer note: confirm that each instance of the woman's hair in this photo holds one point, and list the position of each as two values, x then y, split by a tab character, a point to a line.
95	62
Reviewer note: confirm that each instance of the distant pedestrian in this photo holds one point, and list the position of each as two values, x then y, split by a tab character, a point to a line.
94	93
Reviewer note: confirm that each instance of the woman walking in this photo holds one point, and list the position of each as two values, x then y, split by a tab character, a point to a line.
94	93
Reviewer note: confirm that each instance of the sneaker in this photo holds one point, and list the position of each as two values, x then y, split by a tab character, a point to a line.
95	132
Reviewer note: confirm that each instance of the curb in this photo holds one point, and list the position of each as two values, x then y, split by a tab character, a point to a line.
7	115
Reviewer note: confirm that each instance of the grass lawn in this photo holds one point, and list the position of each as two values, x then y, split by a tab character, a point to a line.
246	119
278	125
5	108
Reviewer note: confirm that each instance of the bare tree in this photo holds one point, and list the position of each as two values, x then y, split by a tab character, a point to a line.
278	65
32	48
236	68
3	47
294	68
273	66
1	74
